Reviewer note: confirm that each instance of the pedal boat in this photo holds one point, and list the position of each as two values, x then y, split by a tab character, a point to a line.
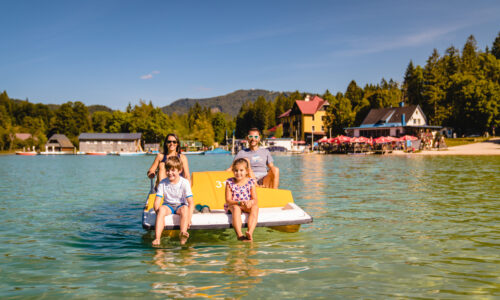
277	209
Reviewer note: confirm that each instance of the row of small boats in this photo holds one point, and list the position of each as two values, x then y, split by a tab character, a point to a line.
209	152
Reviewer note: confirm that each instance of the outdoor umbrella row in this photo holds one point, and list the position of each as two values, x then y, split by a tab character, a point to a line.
380	140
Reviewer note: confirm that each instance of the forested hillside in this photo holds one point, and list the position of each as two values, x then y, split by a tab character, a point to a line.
460	89
229	104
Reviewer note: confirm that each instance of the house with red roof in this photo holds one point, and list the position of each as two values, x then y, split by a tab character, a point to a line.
304	121
393	121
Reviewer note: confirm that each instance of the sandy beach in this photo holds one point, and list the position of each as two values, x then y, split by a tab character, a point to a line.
490	147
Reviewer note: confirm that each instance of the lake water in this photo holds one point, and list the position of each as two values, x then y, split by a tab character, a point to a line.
384	227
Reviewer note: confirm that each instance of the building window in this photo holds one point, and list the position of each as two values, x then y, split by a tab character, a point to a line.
313	128
323	128
414	121
313	117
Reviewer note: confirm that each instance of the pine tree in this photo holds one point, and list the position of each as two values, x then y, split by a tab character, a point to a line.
354	93
469	55
495	49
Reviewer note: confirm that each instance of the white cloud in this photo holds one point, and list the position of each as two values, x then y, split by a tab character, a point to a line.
150	75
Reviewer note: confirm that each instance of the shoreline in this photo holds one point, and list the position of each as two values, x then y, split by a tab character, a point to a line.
489	147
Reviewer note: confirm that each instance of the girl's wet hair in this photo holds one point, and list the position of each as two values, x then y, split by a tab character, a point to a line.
240	161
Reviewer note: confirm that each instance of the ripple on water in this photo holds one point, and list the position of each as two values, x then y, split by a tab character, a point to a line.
384	227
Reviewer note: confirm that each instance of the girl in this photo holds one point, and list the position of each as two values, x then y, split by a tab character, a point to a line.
241	197
171	147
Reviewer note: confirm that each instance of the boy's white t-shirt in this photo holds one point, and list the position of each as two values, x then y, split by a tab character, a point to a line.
174	193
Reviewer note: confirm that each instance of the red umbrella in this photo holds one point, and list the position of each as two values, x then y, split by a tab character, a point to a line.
408	138
381	140
342	139
360	139
323	140
354	140
392	139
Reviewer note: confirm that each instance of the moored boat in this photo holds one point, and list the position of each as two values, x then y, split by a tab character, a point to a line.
192	152
131	153
26	153
217	151
97	153
276	207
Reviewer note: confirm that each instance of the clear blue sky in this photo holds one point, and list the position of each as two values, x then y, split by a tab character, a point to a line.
115	52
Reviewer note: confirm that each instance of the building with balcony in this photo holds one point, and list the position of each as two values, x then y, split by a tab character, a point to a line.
393	121
304	121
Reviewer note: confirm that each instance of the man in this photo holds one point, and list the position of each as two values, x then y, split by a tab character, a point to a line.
261	161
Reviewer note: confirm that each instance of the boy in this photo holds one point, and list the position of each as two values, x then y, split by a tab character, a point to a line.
175	191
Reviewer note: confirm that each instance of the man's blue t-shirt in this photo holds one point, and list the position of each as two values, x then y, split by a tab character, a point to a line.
258	160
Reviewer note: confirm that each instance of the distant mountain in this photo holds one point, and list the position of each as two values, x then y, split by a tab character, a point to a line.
93	108
230	103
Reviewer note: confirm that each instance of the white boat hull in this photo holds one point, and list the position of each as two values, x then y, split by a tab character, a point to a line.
291	214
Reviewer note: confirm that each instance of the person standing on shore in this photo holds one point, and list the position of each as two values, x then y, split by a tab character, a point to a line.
262	167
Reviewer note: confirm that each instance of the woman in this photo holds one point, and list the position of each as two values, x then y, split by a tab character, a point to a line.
171	147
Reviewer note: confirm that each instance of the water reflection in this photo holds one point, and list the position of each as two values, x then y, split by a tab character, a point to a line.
238	271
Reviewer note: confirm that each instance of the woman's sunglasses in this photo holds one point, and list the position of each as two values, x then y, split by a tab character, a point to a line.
171	142
253	137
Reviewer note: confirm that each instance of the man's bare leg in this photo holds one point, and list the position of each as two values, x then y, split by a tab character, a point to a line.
272	179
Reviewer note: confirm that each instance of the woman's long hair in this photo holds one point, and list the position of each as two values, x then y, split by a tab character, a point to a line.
165	145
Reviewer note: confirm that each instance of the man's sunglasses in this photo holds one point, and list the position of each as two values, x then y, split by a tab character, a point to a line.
171	142
253	137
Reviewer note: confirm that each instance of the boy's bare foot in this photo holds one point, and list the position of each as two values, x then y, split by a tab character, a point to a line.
249	236
156	242
183	236
242	238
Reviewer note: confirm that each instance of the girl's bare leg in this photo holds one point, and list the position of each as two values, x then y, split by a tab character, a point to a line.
236	212
252	221
160	223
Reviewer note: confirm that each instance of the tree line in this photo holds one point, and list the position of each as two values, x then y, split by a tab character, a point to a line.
73	118
458	89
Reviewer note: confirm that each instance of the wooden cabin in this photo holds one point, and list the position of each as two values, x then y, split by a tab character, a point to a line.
110	142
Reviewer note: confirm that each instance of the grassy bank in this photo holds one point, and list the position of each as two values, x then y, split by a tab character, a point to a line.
464	141
6	152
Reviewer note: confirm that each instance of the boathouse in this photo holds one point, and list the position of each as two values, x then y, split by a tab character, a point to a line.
393	121
304	121
59	143
110	142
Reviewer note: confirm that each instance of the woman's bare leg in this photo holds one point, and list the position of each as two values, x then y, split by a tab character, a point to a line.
162	172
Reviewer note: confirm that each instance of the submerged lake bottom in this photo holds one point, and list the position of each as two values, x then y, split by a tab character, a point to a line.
384	227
